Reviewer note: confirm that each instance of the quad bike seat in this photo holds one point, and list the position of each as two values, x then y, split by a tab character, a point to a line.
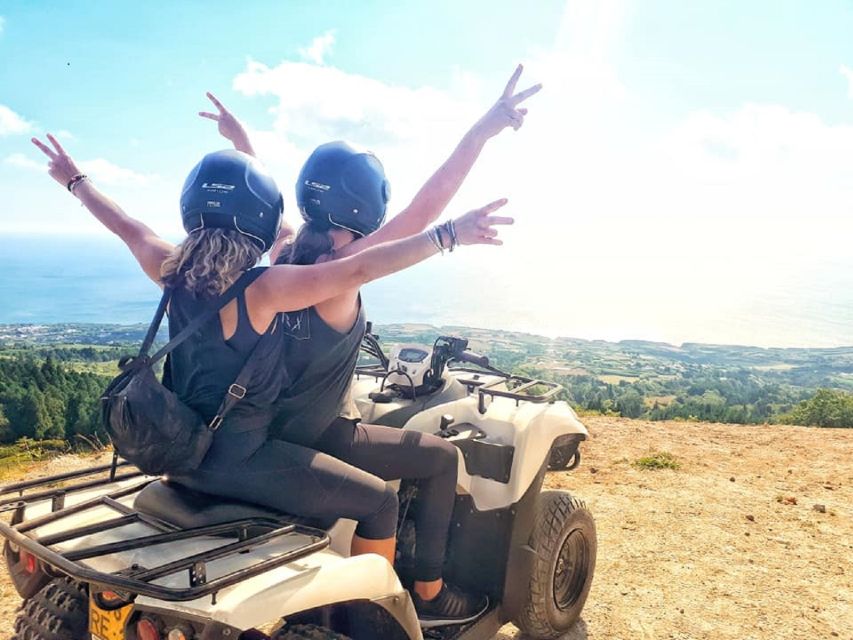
187	508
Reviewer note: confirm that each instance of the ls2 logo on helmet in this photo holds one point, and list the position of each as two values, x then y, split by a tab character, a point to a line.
218	187
319	186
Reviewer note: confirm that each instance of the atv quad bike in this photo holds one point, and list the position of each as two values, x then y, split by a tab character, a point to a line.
107	553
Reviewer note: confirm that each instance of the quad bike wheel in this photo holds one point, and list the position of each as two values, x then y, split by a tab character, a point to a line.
564	541
59	611
308	632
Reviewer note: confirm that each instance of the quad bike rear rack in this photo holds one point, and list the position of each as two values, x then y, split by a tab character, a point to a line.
135	580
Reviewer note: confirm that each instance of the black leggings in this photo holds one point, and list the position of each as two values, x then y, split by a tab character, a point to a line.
336	479
394	454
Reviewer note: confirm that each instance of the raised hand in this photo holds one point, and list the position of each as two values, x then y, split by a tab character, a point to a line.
229	126
61	167
506	112
477	226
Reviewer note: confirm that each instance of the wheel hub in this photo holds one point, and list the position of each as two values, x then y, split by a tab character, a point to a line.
570	572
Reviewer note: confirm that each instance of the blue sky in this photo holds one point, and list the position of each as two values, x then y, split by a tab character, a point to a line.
703	149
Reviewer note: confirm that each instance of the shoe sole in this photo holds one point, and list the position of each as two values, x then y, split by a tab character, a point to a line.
448	622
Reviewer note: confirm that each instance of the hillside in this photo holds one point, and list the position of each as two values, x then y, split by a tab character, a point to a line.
632	378
729	546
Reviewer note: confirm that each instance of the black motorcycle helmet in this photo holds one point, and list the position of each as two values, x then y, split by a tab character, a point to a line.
231	190
341	186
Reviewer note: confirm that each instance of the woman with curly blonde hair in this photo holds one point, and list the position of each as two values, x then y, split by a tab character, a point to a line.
231	210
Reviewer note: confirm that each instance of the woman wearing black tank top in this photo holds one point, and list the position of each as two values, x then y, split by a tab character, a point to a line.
231	210
342	194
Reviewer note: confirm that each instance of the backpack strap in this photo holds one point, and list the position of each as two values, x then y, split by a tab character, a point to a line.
233	291
238	389
154	327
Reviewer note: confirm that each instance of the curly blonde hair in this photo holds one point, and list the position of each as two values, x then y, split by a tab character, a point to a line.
209	261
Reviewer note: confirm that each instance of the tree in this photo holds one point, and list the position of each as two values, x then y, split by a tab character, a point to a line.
827	408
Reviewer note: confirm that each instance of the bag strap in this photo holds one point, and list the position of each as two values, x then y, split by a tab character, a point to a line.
238	389
154	327
233	291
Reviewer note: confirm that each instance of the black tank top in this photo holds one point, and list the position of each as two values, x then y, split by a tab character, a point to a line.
203	367
320	361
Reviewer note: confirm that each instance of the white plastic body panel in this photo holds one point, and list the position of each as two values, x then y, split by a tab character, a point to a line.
529	427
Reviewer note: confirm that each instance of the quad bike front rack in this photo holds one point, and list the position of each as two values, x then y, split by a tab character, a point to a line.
136	580
515	387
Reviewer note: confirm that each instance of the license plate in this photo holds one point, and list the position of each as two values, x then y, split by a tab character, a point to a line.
107	625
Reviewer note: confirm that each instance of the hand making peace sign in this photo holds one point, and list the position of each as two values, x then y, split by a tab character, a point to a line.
61	166
229	126
506	112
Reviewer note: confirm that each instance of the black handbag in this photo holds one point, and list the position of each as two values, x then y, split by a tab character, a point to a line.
148	424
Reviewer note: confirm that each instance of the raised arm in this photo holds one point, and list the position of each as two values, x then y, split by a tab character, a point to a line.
149	249
292	287
230	127
436	193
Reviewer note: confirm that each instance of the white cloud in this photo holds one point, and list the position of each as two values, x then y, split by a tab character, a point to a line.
106	172
24	162
319	48
100	170
411	129
63	134
11	123
2	24
704	227
847	72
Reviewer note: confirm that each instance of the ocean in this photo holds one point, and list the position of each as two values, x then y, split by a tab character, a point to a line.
96	280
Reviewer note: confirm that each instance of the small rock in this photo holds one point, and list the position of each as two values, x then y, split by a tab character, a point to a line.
593	470
746	533
790	471
681	610
788	500
820	508
732	479
750	517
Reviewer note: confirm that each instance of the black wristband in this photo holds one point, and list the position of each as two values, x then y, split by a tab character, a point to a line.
75	180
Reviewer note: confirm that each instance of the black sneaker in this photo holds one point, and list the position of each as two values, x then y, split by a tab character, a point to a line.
450	606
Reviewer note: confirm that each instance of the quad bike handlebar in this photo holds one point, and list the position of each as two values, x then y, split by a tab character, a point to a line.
473	358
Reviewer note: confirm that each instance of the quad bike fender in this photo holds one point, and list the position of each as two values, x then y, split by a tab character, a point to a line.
525	432
321	579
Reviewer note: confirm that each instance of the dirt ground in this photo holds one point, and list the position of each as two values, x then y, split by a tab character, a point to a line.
709	551
729	546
